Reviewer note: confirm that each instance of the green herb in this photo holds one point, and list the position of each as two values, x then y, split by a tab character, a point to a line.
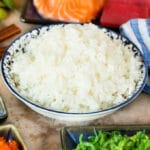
9	4
3	13
115	141
2	4
5	6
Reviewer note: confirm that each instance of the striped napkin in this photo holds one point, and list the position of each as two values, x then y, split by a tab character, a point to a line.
138	31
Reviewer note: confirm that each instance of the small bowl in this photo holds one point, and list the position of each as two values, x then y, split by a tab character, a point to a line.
18	46
3	110
70	135
30	15
9	132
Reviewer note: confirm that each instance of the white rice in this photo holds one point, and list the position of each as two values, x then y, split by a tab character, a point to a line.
76	68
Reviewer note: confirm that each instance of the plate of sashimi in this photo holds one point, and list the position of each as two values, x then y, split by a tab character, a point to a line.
45	11
109	13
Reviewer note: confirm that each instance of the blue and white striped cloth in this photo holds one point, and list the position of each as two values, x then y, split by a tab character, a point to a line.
138	31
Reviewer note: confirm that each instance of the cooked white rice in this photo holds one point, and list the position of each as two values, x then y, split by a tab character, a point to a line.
76	68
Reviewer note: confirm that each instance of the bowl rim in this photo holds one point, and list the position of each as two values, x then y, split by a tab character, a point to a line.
136	92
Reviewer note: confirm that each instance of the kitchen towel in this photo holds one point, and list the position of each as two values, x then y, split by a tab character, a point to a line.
138	31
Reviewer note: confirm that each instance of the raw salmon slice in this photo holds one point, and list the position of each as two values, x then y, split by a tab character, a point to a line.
69	10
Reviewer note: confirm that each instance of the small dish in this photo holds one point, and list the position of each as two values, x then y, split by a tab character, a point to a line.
3	110
70	135
10	132
30	15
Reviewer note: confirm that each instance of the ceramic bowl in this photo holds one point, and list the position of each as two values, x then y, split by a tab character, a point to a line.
10	132
18	46
3	110
70	135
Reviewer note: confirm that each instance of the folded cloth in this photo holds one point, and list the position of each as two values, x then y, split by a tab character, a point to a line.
138	31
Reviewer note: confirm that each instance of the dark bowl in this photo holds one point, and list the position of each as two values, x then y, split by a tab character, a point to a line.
3	110
70	135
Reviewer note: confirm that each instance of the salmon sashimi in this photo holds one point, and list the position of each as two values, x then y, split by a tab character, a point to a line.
69	10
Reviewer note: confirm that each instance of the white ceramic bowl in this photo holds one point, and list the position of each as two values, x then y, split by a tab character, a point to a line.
19	44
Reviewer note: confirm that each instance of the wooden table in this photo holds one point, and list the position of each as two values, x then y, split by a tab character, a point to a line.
41	133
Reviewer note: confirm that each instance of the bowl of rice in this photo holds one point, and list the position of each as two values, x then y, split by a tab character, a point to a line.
74	72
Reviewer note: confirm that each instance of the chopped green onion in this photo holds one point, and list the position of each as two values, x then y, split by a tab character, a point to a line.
114	140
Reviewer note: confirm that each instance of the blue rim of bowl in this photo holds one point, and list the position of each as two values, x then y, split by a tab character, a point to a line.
110	109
